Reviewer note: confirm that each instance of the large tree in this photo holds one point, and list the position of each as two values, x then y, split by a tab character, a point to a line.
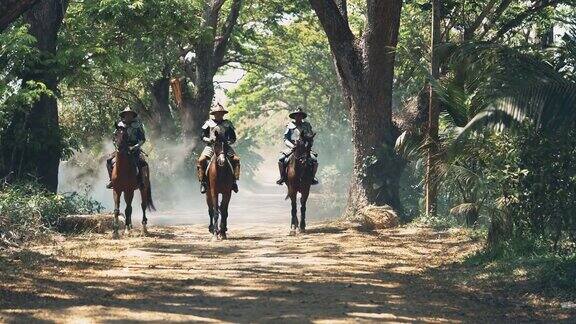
365	66
33	142
202	59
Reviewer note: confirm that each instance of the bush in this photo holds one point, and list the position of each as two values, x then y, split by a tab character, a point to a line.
27	211
542	200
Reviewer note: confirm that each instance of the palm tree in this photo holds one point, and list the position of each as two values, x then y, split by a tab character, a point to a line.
501	88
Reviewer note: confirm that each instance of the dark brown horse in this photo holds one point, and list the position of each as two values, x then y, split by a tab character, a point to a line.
299	179
125	180
220	182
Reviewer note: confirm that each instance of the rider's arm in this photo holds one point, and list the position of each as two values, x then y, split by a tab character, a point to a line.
231	135
206	135
309	134
141	137
288	138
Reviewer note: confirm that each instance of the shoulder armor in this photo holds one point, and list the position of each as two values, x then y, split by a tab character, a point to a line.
291	125
209	124
121	124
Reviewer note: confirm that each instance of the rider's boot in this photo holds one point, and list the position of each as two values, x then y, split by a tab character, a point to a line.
282	170
201	176
109	168
314	170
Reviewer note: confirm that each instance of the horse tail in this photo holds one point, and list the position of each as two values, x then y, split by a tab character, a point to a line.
149	202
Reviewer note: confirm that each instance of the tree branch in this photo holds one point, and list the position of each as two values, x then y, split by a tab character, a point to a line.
341	39
470	30
497	14
13	11
516	21
343	8
131	93
222	41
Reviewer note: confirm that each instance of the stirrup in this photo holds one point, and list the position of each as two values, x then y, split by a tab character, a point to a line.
315	181
203	188
235	187
109	185
280	181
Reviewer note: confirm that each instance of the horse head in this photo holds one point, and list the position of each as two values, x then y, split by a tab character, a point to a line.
121	139
303	147
220	148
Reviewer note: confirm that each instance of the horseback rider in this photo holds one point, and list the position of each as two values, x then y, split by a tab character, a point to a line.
136	138
297	129
225	129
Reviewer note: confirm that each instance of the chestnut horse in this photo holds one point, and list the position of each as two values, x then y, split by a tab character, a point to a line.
299	177
220	182
125	180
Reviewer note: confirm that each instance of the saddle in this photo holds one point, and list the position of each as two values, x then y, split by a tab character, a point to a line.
214	158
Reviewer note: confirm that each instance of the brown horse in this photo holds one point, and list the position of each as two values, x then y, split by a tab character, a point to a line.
125	180
299	179
220	182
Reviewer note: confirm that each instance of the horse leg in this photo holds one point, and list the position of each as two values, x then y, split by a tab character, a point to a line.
128	197
294	211
116	224
303	200
215	214
210	212
224	211
144	197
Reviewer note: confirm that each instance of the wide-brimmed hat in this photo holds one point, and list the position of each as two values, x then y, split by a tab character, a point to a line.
127	110
298	111
218	108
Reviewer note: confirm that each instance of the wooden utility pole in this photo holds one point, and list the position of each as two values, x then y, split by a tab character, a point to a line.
433	115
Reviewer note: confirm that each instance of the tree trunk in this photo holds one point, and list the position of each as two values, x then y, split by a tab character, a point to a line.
210	51
12	10
160	122
433	116
366	71
195	110
41	149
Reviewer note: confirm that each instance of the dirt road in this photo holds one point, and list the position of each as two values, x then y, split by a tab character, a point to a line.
260	274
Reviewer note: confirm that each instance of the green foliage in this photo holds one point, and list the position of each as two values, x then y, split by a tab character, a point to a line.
539	270
28	211
292	67
539	200
116	50
17	51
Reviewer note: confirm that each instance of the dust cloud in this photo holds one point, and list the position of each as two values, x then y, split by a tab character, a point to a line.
176	191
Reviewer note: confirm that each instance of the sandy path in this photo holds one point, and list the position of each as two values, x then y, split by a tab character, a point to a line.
258	275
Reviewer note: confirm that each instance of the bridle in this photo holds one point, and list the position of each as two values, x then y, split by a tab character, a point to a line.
219	148
121	139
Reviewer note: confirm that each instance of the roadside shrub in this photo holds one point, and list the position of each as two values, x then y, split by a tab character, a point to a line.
27	211
542	201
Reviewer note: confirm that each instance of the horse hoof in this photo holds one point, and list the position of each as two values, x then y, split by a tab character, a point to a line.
223	236
115	235
126	232
302	231
214	238
292	232
145	230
